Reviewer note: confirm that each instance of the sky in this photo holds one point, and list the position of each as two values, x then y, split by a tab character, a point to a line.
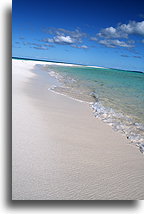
103	33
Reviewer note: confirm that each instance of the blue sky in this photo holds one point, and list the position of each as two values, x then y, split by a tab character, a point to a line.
106	33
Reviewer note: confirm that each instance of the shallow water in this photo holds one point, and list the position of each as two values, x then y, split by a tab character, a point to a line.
116	96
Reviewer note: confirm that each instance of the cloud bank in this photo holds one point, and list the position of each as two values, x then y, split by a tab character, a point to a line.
111	37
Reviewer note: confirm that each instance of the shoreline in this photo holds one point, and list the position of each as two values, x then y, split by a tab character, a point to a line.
60	151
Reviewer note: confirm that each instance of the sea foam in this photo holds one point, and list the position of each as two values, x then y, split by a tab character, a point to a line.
120	123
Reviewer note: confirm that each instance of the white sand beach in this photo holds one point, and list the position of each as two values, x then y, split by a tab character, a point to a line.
60	151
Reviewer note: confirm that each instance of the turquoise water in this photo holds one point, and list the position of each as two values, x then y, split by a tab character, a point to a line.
116	96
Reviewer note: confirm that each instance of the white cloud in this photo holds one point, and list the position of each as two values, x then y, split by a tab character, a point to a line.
48	40
63	39
123	30
114	43
75	34
112	32
133	28
81	47
60	39
142	40
84	46
93	38
40	48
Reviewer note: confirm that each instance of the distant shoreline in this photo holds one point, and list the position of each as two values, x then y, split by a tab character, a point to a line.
74	64
66	63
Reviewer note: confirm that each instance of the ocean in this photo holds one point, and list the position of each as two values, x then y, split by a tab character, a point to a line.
115	96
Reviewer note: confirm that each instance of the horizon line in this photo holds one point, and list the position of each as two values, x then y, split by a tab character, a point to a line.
44	60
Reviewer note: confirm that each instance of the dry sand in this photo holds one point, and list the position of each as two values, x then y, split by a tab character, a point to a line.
60	151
